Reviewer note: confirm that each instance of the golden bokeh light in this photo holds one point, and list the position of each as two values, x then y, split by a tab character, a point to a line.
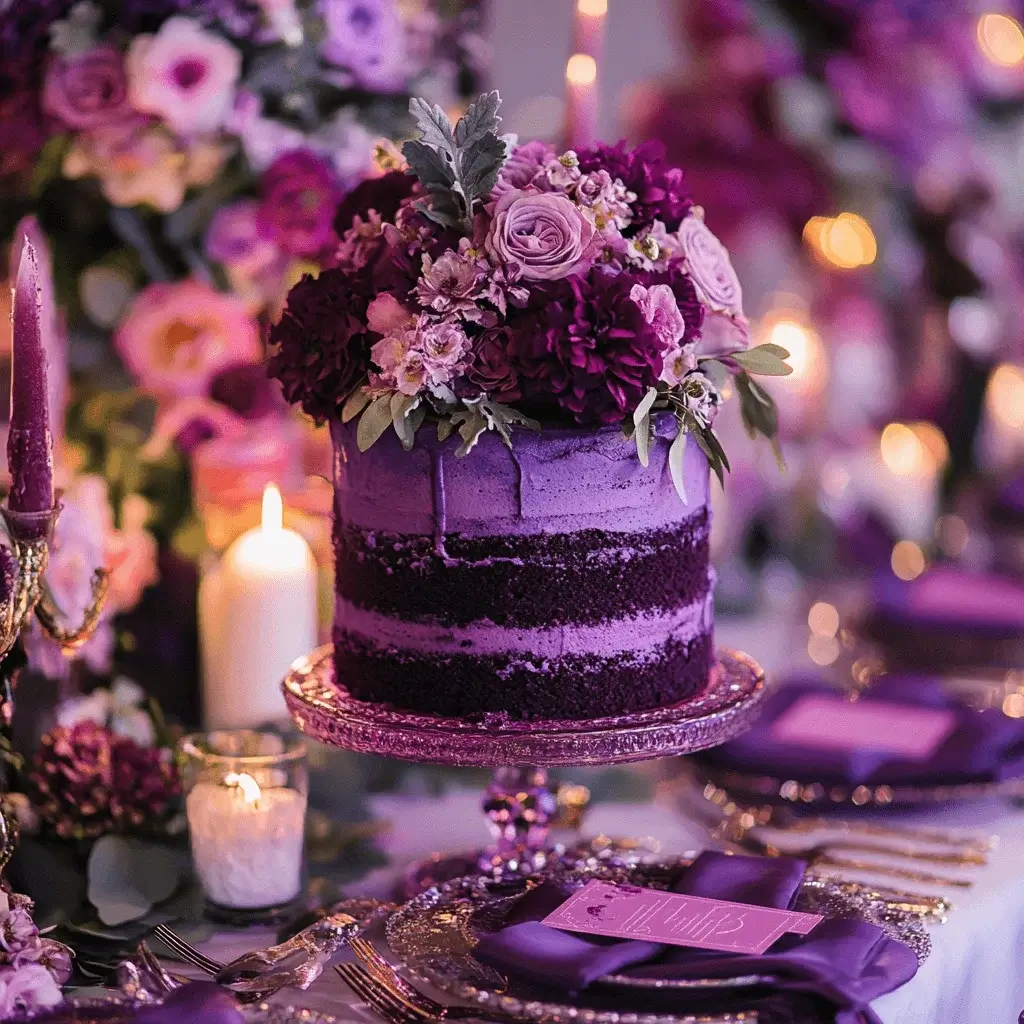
903	452
934	441
1001	39
1004	398
592	8
908	561
823	619
1013	705
952	535
581	69
845	241
823	650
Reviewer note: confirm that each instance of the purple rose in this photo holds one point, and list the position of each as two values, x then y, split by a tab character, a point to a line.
709	267
367	38
234	238
87	90
523	166
543	234
299	196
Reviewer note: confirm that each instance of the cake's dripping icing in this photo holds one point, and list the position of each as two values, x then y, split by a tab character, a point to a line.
440	507
518	484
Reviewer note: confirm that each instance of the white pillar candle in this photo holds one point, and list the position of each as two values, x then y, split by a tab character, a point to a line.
257	614
246	842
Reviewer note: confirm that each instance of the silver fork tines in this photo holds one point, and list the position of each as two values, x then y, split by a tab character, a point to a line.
184	951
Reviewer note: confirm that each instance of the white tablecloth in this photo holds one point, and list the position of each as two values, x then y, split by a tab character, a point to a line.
975	974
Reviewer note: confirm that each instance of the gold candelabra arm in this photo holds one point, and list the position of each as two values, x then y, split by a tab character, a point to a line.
71	638
32	557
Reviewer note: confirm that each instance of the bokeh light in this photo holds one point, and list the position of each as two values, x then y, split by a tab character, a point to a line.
908	561
1005	396
952	535
592	8
903	451
845	241
1001	39
823	619
823	650
581	69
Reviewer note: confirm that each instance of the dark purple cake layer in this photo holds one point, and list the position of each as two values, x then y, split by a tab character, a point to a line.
573	686
536	580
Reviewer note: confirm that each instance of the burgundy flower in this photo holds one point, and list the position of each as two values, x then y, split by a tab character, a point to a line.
383	194
87	90
321	343
244	389
145	785
660	189
586	350
492	370
299	197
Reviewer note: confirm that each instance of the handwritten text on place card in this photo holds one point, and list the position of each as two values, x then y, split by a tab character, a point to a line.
628	912
822	722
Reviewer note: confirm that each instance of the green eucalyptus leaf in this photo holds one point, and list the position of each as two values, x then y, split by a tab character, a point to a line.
765	360
354	404
401	408
642	422
675	462
375	420
126	877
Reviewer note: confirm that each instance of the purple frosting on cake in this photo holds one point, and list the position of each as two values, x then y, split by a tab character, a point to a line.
559	579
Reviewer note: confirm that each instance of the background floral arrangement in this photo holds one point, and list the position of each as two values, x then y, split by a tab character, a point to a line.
499	284
185	160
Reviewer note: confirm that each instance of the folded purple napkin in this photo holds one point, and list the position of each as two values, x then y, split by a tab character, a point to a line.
985	746
843	963
201	1002
946	597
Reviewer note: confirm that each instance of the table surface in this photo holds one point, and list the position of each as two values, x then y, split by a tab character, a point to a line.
973	976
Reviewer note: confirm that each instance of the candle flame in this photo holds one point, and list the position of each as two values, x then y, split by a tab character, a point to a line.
581	69
250	788
592	8
273	508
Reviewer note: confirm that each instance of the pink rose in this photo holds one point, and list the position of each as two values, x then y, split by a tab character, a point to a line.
542	234
709	267
87	90
660	309
27	989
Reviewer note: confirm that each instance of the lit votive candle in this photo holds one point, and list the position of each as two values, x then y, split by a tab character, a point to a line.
246	806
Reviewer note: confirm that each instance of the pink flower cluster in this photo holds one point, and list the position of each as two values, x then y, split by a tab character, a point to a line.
32	968
521	308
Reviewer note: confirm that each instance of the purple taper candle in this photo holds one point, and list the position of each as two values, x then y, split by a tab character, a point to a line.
29	443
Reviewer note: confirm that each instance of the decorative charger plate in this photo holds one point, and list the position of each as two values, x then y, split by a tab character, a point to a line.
323	709
435	934
817	796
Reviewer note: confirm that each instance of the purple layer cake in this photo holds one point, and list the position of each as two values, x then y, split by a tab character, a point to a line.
558	580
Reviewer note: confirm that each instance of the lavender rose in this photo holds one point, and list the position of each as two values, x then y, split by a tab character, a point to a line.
709	267
543	234
88	90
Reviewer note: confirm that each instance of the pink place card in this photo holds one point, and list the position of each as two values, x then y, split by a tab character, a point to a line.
629	912
833	723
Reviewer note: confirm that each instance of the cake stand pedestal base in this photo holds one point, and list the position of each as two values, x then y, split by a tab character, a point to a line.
518	803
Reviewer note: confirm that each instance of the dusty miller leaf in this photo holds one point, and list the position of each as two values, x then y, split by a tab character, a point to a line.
472	424
354	404
126	877
502	417
445	429
675	462
433	124
375	420
433	168
479	166
444	209
479	120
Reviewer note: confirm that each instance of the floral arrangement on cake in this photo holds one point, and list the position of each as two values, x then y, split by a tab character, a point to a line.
487	285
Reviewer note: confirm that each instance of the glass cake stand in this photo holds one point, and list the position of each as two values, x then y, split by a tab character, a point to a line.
518	803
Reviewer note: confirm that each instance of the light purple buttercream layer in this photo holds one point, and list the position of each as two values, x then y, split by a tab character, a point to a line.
633	635
555	481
